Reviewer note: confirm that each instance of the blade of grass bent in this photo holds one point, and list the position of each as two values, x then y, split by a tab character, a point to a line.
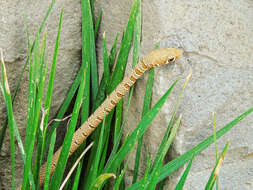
215	173
216	148
7	97
137	133
181	160
12	123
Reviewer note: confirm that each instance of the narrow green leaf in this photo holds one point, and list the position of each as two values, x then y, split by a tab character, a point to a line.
166	134
120	178
182	180
88	49
98	23
156	169
49	160
40	91
7	96
31	128
145	109
125	48
216	149
113	51
216	170
77	176
52	73
147	170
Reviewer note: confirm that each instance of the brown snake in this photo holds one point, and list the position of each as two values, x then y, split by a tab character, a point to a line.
153	59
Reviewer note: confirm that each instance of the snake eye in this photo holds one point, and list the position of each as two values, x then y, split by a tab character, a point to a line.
171	59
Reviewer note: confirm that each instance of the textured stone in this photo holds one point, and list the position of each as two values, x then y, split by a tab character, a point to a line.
219	35
14	44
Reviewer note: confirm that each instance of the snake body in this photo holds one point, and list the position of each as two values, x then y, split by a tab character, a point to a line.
153	59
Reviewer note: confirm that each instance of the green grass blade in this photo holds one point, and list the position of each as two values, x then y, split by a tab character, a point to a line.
106	62
181	160
98	23
147	170
49	160
57	176
156	169
119	179
14	126
125	48
7	97
215	173
42	68
216	148
52	73
166	134
146	105
137	35
31	129
77	176
182	180
88	48
113	52
137	133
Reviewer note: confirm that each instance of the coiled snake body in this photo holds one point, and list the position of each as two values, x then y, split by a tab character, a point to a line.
155	58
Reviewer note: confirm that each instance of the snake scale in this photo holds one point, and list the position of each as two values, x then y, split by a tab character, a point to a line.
155	58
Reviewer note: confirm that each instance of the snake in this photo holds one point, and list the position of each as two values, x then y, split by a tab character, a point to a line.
155	58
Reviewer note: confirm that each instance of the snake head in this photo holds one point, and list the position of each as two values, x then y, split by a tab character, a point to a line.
162	56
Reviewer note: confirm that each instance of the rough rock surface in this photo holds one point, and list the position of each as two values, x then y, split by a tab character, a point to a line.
219	33
14	44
